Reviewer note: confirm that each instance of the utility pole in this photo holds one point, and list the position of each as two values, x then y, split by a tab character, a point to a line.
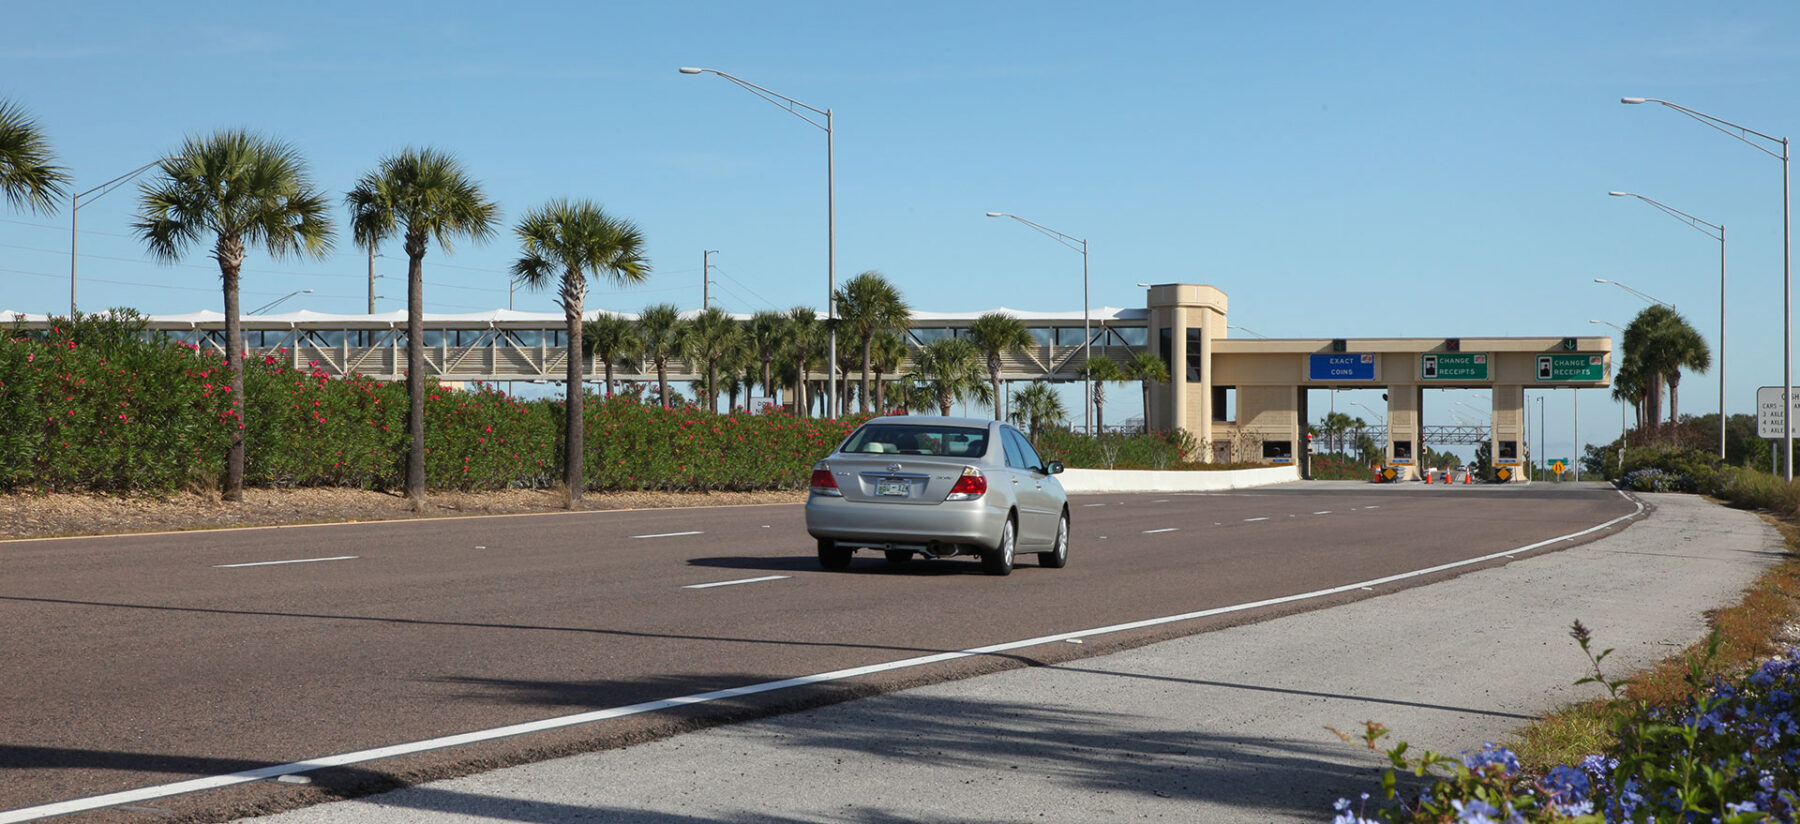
371	279
706	278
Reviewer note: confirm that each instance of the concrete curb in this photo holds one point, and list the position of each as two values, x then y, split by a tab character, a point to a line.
1083	481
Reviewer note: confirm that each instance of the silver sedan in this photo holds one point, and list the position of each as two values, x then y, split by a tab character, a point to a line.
938	487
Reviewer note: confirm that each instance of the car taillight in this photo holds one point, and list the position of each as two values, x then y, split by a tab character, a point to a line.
823	484
970	486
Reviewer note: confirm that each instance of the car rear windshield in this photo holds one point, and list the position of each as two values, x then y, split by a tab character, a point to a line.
905	439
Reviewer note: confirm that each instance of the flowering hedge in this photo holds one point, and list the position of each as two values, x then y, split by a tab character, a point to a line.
98	404
634	445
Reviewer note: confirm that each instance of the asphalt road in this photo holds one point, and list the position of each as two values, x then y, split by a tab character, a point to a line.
140	661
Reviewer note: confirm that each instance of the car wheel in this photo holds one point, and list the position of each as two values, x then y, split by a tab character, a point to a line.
999	560
832	556
1059	557
899	556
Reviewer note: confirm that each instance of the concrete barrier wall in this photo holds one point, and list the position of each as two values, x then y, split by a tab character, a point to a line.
1082	481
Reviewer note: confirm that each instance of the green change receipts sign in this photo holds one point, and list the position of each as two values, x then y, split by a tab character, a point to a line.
1454	366
1571	367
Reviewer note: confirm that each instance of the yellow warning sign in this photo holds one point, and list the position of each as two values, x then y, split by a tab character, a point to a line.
1559	466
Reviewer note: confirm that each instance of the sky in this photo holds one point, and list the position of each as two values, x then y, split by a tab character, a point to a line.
1338	170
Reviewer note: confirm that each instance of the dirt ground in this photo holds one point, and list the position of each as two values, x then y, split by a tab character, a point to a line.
28	515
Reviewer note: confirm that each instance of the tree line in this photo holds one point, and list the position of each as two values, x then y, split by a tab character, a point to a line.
234	190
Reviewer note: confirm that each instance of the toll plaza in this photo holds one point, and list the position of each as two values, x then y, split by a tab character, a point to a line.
1246	399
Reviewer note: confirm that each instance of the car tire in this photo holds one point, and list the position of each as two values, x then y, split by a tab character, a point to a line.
832	556
999	560
1058	557
899	556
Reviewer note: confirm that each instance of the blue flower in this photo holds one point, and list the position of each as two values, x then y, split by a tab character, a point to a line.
1475	812
1492	754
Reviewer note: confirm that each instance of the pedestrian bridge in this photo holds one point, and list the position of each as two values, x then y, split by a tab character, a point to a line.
505	345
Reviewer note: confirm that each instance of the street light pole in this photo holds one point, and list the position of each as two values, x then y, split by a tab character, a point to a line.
1743	134
1087	331
103	189
792	106
706	277
1697	223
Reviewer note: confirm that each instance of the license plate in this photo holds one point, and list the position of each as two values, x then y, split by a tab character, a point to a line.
893	486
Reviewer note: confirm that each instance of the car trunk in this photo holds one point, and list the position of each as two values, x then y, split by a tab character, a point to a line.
895	479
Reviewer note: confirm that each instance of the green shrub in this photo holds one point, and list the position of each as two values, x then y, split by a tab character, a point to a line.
1154	450
1675	469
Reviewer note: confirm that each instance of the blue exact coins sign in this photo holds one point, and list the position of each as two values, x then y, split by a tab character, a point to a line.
1359	367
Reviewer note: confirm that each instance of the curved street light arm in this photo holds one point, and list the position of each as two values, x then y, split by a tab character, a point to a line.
1730	129
271	304
1713	230
110	185
781	101
1651	298
1070	241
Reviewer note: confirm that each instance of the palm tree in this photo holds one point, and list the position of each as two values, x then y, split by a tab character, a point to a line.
887	353
951	370
26	176
661	329
568	240
1148	368
766	337
805	340
1036	406
1685	350
1099	372
1658	344
419	194
610	339
995	334
1629	386
238	188
711	336
866	305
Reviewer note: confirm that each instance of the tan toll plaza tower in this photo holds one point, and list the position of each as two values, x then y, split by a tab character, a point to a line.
1265	380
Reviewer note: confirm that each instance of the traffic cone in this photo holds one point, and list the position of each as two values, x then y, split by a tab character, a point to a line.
1468	477
1428	474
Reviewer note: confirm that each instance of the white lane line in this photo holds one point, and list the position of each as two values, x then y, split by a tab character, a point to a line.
1160	501
1166	529
1085	506
295	561
734	583
670	534
1325	512
142	794
1248	520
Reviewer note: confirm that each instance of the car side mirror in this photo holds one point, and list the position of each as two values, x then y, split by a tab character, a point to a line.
1055	468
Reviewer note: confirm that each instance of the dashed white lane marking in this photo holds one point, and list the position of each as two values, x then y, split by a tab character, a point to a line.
1326	512
670	534
364	756
1160	501
734	583
1248	520
1166	529
295	561
1085	506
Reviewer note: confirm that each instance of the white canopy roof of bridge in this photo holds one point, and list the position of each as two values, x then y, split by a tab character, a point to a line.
551	319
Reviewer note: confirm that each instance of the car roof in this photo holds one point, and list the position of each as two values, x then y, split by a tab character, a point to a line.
933	420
